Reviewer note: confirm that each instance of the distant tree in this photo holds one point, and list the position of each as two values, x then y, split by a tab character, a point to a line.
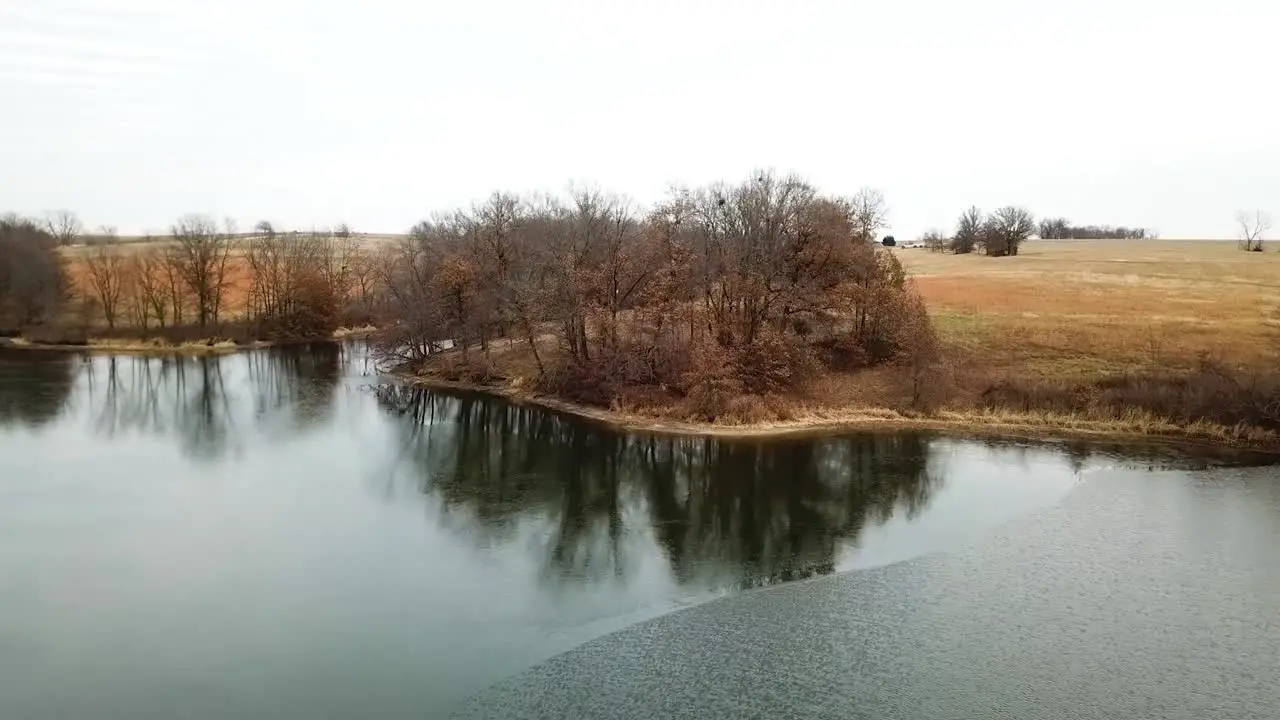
104	235
64	226
106	272
198	256
1252	229
1062	229
935	241
1006	230
889	241
968	231
149	293
870	213
1054	229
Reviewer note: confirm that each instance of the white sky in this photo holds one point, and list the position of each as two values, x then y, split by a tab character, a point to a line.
312	112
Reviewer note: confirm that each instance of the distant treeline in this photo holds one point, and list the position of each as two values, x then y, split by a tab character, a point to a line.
1002	232
1062	229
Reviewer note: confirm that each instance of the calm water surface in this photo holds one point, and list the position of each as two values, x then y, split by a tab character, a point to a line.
280	534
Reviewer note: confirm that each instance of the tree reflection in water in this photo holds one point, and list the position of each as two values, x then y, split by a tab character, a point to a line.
299	379
34	386
191	398
181	396
726	514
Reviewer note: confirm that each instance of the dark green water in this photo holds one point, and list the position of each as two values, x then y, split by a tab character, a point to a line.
278	535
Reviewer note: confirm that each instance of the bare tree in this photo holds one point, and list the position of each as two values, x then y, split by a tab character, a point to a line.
1006	230
1252	229
198	257
105	234
870	213
363	281
968	231
106	272
340	247
149	293
935	240
64	226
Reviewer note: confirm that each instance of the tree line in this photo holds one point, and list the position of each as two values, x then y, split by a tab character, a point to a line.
284	285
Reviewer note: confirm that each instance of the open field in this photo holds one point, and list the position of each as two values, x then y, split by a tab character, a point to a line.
1076	309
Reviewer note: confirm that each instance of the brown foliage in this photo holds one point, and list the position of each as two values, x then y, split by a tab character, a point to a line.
716	292
711	382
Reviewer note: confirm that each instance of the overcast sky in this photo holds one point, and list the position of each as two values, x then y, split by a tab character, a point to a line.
311	112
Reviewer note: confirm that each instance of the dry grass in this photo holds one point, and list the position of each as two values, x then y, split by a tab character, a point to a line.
1083	309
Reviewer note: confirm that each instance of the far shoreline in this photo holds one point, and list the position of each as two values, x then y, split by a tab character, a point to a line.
959	424
203	346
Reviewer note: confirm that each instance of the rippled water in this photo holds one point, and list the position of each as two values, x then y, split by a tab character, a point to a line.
279	534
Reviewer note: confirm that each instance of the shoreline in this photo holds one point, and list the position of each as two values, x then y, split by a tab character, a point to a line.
990	424
209	346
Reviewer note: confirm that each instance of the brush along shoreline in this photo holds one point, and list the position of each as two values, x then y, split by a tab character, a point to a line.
1137	428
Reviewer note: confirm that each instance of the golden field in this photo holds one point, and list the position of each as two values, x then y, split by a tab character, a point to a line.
1075	309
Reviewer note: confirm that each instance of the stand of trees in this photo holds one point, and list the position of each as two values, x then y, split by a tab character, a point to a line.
998	234
286	285
300	283
179	284
716	294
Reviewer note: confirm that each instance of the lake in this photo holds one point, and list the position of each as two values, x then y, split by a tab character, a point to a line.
281	533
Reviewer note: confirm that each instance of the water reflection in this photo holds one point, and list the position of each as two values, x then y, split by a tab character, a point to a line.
301	379
34	386
209	404
599	505
725	514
